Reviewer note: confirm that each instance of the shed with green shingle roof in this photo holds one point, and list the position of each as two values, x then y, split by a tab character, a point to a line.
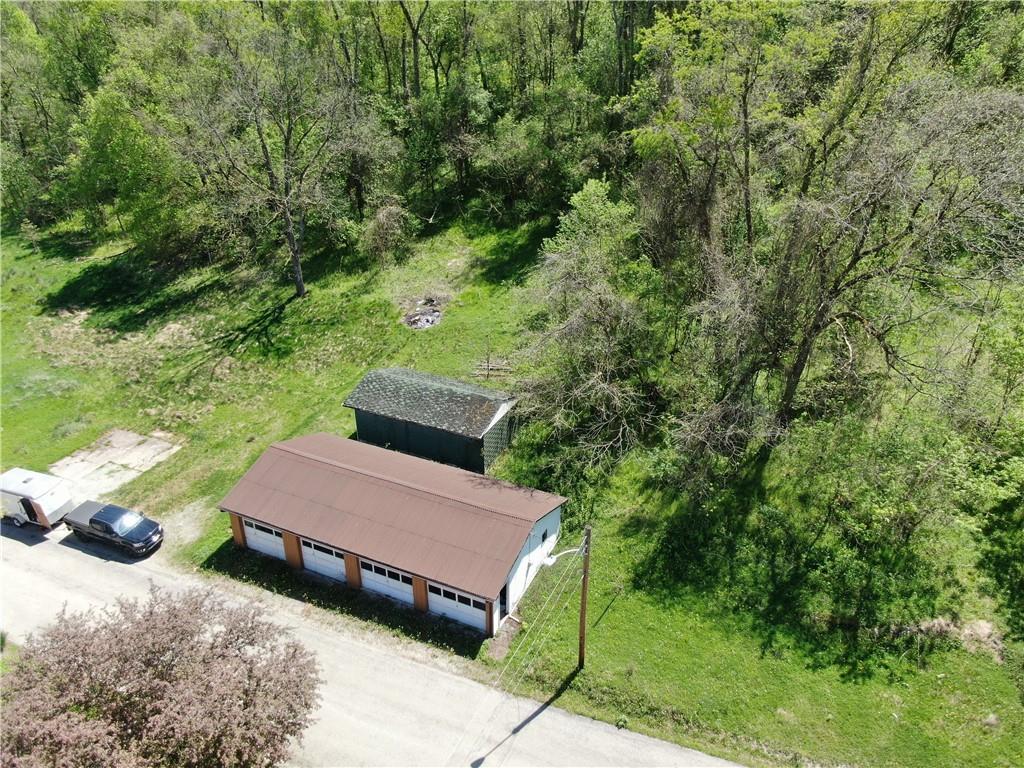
433	417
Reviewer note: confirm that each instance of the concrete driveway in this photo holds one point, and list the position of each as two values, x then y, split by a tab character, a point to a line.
116	458
384	701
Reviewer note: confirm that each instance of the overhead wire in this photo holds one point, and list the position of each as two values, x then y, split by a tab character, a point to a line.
539	628
546	624
525	665
558	589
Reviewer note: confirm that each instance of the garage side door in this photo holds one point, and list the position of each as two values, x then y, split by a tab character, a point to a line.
264	539
327	561
456	605
386	581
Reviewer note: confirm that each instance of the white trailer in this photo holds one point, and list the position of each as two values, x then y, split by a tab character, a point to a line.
32	497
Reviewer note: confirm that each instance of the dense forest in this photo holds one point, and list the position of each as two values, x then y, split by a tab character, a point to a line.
783	267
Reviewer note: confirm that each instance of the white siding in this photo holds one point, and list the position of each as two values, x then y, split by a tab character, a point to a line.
539	544
263	538
459	606
327	561
381	578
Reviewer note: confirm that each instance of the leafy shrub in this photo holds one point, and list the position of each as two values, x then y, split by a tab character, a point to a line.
185	680
388	234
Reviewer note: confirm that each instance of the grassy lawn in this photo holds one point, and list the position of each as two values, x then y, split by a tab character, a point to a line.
94	338
8	653
681	668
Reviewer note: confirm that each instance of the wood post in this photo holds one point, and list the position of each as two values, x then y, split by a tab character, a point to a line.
292	549
583	597
489	629
352	575
419	593
237	530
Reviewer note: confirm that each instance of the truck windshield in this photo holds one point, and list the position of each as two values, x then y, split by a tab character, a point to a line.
126	522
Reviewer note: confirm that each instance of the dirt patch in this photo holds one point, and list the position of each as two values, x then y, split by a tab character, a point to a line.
67	340
502	640
175	335
186	524
977	636
980	636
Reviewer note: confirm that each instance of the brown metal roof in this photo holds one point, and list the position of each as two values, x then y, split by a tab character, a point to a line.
439	522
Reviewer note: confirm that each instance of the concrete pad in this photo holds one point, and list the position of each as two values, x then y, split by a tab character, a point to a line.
121	438
103	480
148	454
116	458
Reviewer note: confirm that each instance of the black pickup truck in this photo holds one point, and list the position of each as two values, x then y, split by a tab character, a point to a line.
108	522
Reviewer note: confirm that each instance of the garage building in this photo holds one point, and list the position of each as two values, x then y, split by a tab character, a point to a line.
432	417
442	539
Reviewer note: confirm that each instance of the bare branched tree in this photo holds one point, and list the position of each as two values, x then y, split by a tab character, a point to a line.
269	120
591	365
838	231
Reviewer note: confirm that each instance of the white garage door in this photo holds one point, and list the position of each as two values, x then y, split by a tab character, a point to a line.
387	581
264	539
324	560
457	605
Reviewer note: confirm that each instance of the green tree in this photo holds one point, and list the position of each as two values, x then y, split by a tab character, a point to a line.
267	114
122	168
594	370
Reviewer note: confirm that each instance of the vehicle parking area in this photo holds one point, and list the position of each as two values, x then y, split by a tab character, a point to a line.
118	457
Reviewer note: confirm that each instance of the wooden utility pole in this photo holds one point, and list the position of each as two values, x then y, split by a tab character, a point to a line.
583	597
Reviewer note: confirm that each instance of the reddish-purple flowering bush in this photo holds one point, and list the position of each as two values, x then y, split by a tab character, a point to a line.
186	679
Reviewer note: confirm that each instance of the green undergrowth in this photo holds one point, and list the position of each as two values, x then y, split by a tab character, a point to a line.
8	653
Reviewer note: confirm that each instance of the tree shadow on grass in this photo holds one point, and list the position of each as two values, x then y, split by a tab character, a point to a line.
257	331
695	547
513	253
324	258
756	576
275	328
130	290
277	576
68	245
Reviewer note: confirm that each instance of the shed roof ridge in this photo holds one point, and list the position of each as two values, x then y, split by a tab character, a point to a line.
444	382
476	553
394	481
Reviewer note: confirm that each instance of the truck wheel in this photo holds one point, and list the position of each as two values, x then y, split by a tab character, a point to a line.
81	536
